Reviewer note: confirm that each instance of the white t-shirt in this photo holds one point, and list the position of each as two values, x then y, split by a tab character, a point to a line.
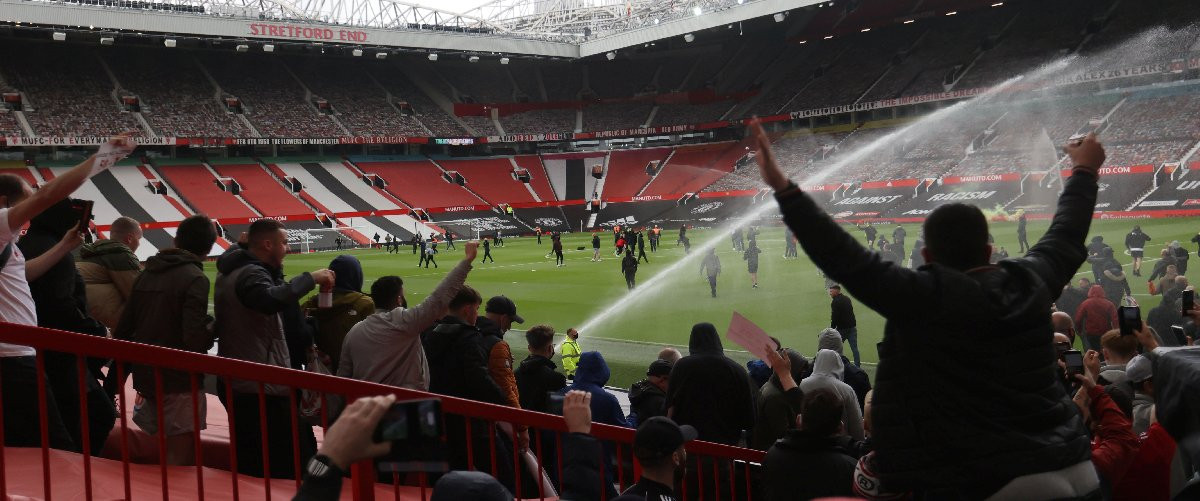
16	303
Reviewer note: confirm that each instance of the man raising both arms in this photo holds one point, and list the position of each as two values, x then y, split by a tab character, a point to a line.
1023	428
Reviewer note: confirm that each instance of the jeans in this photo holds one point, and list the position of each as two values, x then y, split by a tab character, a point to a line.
850	335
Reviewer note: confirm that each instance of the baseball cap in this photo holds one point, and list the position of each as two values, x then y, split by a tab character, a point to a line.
659	368
504	306
1139	369
835	286
659	437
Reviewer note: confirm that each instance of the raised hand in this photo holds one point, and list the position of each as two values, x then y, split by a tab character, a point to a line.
1087	154
768	167
470	250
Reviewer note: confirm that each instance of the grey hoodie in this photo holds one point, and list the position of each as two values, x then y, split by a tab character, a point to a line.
386	347
827	374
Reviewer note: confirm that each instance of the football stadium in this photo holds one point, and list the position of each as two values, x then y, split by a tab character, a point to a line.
601	249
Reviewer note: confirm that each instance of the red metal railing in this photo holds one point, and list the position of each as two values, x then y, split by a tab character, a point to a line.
715	465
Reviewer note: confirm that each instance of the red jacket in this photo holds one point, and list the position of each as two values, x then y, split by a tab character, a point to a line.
1096	315
1113	444
1149	476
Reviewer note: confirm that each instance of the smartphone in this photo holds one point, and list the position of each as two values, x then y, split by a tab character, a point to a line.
555	403
1189	301
84	209
1180	336
414	427
1130	319
1074	361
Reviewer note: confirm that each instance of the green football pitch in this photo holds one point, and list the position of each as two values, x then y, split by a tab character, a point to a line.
790	303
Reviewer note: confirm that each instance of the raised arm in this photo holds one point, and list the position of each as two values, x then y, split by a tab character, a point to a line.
1059	253
434	306
873	281
63	186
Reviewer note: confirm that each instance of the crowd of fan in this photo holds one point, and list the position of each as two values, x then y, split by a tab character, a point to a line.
539	121
9	125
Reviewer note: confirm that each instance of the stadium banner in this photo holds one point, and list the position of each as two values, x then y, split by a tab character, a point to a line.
896	183
83	141
986	178
888	103
1175	66
1118	171
723	194
460	208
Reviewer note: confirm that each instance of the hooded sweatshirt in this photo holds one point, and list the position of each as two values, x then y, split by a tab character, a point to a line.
251	303
350	306
1097	314
591	375
168	307
827	374
386	347
710	391
109	269
646	400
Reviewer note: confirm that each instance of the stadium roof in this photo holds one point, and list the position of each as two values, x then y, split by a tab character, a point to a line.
551	28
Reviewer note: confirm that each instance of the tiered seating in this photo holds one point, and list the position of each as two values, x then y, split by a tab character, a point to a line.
615	116
1174	31
85	107
1147	118
424	108
949	41
1121	155
537	176
620	77
683	114
1043	33
176	98
563	81
804	63
420	184
9	125
18	168
482	82
491	178
627	171
1028	137
672	71
275	100
851	74
262	191
197	187
527	80
483	125
539	121
361	105
692	168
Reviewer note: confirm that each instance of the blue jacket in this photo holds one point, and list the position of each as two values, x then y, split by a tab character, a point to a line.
591	375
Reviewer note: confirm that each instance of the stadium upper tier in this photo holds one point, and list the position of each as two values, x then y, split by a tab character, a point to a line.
223	93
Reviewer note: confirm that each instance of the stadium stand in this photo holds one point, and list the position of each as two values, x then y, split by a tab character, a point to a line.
620	77
9	125
626	174
198	188
360	103
612	116
563	81
483	126
491	178
539	121
691	168
428	113
482	82
346	184
682	114
112	201
419	184
537	176
261	190
1041	34
176	98
274	100
87	107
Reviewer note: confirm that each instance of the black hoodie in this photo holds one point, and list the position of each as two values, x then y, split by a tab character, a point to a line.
710	391
537	377
646	401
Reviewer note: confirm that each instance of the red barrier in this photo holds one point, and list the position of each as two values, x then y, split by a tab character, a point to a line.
362	484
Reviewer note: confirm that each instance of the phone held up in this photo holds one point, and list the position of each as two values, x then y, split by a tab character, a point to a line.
414	427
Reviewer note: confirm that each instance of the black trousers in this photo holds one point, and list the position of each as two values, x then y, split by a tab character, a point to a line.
558	256
22	420
428	260
642	254
487	254
248	431
63	375
630	279
712	284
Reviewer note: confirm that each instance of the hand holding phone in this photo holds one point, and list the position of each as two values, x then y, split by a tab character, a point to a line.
1130	320
1074	361
1189	301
